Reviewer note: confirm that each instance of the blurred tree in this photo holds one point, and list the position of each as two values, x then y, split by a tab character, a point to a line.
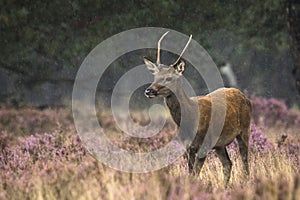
40	36
293	20
47	40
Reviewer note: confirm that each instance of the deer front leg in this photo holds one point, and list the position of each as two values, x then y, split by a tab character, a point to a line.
198	165
190	156
226	162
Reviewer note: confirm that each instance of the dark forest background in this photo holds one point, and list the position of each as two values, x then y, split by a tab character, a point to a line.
43	43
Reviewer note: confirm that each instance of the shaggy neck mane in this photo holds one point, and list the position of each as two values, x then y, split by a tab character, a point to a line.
173	102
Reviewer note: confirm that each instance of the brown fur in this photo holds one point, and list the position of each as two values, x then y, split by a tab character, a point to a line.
236	125
237	118
167	82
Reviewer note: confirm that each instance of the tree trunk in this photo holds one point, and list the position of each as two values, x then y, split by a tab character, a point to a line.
293	22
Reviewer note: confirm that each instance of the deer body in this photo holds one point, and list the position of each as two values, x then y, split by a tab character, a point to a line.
168	82
235	114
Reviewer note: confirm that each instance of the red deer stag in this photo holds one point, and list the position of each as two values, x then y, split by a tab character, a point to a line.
237	118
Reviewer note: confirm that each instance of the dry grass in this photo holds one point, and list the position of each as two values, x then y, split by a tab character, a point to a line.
272	177
77	175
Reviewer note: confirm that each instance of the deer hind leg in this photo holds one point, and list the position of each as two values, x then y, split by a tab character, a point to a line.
226	162
243	141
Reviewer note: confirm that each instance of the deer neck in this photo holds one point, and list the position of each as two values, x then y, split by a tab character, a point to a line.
173	102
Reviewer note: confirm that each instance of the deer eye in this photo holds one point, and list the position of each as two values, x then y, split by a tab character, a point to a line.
169	79
160	80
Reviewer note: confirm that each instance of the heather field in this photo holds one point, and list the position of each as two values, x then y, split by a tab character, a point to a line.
42	157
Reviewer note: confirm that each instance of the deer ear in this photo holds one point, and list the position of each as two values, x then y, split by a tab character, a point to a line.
152	67
179	67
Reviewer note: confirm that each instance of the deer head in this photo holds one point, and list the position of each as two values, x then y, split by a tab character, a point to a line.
166	78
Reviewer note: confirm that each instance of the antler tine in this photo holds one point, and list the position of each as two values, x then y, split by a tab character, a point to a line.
184	49
158	47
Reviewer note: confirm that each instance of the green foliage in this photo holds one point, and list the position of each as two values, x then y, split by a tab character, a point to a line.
40	37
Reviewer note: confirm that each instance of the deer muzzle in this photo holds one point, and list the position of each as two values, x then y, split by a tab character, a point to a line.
150	93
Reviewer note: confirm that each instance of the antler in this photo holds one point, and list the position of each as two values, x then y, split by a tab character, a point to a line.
184	49
158	47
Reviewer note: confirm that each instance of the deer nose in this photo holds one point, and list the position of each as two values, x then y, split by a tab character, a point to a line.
150	92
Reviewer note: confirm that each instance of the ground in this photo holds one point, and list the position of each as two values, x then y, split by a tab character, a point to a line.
42	157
